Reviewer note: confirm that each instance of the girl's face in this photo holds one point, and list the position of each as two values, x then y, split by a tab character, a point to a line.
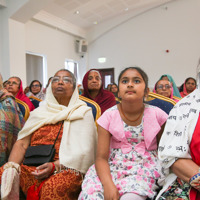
131	86
190	85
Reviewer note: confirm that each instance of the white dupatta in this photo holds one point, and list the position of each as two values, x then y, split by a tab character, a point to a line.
78	144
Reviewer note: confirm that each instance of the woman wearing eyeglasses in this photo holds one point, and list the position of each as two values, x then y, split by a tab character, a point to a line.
164	87
75	147
36	90
14	86
11	122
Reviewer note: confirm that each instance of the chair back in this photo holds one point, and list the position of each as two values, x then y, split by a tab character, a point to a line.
177	98
117	100
35	101
96	110
164	103
23	108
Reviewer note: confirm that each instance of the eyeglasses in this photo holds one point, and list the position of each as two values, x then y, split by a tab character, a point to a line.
65	79
162	86
35	86
12	83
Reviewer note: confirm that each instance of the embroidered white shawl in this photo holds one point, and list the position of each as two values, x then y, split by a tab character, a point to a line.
78	144
176	138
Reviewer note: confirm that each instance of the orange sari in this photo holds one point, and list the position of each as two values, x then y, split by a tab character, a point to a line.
64	185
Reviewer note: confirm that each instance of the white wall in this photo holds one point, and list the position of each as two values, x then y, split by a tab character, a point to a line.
55	44
144	39
5	14
17	50
140	41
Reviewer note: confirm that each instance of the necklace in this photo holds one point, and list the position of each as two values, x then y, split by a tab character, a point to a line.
129	119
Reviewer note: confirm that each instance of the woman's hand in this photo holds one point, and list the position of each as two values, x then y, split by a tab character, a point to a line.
111	192
43	171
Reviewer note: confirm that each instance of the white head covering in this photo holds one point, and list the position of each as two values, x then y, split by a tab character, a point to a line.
178	132
77	148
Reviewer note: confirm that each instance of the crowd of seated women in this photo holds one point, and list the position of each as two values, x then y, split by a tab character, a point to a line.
62	111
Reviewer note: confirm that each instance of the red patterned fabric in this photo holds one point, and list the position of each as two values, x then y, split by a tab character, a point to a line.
64	185
195	152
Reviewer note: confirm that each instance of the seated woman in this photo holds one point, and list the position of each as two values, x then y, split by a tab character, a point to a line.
14	86
11	122
171	80
164	87
179	150
114	90
187	87
93	89
75	146
36	90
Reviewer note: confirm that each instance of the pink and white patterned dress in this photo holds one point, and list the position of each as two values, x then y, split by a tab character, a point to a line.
133	168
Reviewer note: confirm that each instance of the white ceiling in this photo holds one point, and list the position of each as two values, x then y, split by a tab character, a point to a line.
88	13
84	18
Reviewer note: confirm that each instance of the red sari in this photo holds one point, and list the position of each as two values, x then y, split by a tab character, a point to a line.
65	185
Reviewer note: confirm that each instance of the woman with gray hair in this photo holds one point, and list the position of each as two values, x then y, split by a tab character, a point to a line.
67	122
93	89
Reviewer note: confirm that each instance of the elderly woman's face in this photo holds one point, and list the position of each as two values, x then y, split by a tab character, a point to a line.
94	81
164	88
13	86
62	85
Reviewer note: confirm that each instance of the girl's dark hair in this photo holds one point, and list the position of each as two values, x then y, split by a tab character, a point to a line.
71	74
34	82
186	80
140	71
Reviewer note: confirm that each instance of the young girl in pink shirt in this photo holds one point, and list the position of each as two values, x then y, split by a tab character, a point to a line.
127	165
